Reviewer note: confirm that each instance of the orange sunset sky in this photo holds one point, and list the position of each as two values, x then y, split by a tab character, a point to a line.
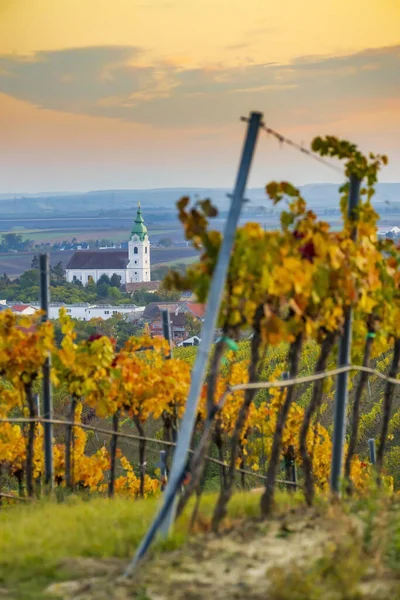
98	94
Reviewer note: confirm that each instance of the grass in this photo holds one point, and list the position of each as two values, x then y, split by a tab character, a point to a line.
42	543
36	539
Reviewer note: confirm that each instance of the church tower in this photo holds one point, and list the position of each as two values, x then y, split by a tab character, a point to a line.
138	268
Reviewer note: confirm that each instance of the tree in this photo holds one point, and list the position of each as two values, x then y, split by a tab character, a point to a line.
4	281
35	262
58	272
102	289
29	279
192	325
115	281
104	279
91	286
11	241
142	297
114	294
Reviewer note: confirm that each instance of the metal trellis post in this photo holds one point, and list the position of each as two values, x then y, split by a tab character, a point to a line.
166	514
47	400
344	360
166	322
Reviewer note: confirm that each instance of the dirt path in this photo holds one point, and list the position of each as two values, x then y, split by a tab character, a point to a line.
250	561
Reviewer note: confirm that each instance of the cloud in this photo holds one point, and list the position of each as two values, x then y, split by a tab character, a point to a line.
109	81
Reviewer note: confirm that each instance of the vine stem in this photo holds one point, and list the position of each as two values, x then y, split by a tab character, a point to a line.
113	454
68	445
142	453
226	492
31	440
267	498
314	405
387	406
199	458
362	382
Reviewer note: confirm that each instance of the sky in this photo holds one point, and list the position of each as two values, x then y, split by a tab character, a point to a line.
101	94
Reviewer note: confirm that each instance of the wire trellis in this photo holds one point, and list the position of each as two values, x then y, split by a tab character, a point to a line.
282	139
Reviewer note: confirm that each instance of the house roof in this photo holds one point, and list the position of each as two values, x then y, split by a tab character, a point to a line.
143	285
99	259
154	308
196	309
21	307
178	320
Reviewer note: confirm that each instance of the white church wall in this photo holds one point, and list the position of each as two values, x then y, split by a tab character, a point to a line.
85	275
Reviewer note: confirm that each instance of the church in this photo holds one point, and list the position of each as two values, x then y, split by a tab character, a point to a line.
132	266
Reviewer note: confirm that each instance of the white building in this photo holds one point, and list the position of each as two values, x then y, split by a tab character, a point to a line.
131	266
192	341
24	309
86	312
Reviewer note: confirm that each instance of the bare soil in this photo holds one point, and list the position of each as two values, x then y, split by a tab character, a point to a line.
246	561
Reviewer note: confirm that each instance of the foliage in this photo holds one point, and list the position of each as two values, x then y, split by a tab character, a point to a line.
142	297
295	286
291	289
13	242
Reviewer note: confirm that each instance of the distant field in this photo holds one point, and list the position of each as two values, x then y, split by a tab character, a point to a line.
181	261
15	264
83	234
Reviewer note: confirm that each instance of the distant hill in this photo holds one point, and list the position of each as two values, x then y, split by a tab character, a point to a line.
99	202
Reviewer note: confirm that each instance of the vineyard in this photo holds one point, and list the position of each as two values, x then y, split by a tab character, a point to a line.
266	407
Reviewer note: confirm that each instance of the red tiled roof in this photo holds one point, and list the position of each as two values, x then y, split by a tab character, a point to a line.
20	307
196	309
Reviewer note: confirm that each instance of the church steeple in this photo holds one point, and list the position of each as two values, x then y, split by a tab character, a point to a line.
138	268
139	228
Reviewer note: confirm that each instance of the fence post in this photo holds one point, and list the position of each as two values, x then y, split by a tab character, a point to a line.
165	516
372	451
344	360
47	400
166	322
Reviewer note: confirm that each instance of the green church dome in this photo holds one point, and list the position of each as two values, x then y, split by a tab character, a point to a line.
139	228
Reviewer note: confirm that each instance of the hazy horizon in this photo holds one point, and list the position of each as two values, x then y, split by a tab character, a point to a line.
50	193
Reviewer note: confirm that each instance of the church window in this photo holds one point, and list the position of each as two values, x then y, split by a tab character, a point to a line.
145	250
135	262
135	250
